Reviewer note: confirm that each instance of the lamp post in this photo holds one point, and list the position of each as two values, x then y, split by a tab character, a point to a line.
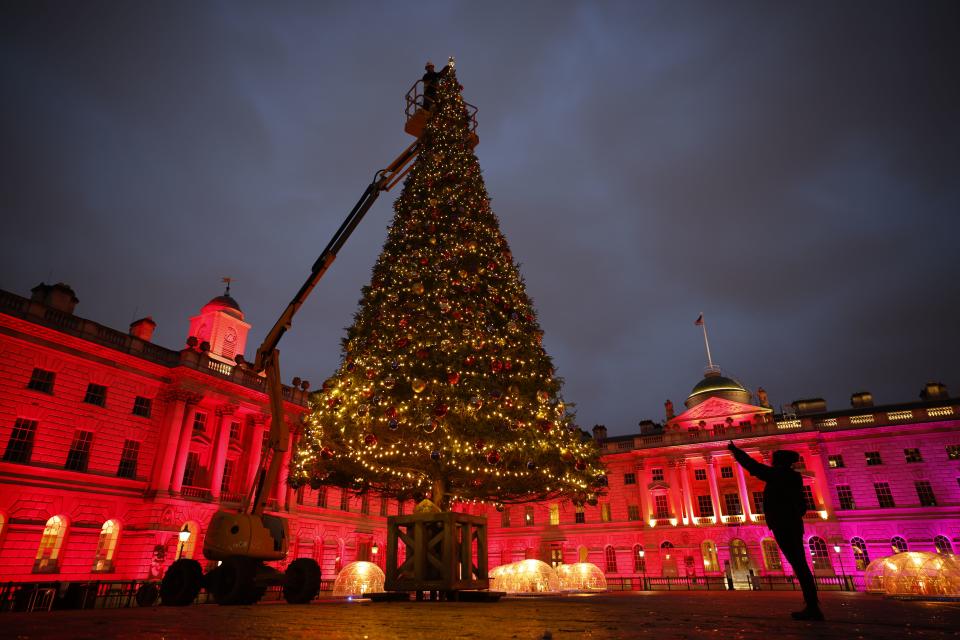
184	536
843	573
643	568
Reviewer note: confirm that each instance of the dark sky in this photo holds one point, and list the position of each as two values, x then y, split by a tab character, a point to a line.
790	169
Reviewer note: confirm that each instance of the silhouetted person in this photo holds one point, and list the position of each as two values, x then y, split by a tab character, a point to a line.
430	80
784	506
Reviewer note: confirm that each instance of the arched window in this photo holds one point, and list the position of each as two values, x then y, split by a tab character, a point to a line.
611	556
739	558
639	559
860	555
771	555
942	543
898	544
106	546
187	540
709	550
583	554
818	553
48	555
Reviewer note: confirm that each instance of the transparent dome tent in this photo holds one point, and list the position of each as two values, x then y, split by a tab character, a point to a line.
526	576
358	578
914	573
581	576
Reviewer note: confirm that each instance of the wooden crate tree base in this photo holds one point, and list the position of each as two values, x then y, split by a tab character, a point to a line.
439	552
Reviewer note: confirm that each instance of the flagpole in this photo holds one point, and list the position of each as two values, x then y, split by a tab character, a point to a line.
706	342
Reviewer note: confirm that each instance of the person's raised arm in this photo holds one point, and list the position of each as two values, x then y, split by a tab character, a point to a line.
756	469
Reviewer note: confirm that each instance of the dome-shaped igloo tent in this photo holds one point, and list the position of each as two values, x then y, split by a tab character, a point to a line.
358	578
914	573
581	576
526	576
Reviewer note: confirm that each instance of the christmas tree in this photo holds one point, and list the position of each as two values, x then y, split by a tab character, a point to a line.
444	389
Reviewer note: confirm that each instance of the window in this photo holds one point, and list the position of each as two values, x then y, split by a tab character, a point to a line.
42	381
227	479
79	455
96	394
860	555
884	497
48	554
656	475
605	512
953	452
610	555
771	555
898	544
925	493
739	558
835	461
818	553
732	503
699	474
235	431
726	472
661	506
578	515
845	496
400	508
705	506
912	455
873	458
365	505
633	512
322	497
106	545
505	518
528	516
556	556
639	559
554	514
383	507
128	459
708	549
942	544
190	470
629	478
142	406
200	422
757	502
808	498
20	444
344	500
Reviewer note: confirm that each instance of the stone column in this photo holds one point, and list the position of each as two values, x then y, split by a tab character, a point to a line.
281	488
169	436
714	489
815	460
174	481
254	449
744	495
644	492
685	484
673	494
218	460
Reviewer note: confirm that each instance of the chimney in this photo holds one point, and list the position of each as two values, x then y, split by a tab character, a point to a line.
57	296
143	328
810	405
861	399
668	409
599	433
934	391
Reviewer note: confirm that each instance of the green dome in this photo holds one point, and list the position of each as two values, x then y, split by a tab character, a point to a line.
716	385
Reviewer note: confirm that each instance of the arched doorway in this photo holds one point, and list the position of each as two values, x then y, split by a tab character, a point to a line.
668	560
708	549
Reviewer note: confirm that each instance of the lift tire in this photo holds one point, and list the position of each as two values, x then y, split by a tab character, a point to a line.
232	583
147	594
181	583
302	581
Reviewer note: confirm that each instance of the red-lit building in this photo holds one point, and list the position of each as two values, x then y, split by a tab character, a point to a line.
112	446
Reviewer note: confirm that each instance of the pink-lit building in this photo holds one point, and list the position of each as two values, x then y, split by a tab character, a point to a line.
112	446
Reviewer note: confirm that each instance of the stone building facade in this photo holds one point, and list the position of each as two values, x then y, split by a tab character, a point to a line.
112	446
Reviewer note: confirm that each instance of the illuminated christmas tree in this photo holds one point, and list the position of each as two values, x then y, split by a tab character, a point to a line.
444	390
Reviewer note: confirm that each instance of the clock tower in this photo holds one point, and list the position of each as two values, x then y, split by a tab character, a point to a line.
220	324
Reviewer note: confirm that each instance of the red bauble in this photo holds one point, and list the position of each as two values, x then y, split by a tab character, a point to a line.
545	426
496	366
371	374
479	444
493	457
453	377
469	360
370	439
400	343
403	322
580	465
391	412
423	353
440	410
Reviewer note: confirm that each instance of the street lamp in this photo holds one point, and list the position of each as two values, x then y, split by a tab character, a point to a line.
184	536
843	573
643	568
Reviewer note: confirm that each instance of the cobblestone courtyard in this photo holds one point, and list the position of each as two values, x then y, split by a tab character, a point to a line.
622	615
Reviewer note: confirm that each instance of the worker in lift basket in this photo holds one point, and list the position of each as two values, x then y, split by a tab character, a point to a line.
430	80
784	506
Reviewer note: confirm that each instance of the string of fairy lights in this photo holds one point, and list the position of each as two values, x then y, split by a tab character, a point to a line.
444	376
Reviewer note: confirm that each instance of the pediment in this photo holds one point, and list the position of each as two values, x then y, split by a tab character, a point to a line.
714	409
